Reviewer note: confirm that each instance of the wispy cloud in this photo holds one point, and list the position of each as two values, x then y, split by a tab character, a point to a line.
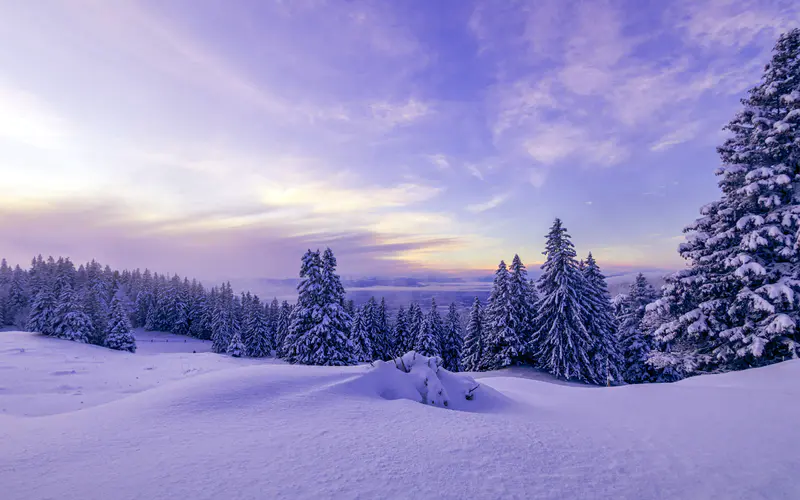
440	161
493	202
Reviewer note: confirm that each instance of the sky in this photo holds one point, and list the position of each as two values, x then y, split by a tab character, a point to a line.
222	139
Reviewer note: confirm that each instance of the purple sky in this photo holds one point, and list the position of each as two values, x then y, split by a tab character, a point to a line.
221	139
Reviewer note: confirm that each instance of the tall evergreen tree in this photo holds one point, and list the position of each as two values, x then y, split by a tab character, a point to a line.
738	303
635	343
318	332
472	352
403	339
259	338
561	343
501	342
383	345
452	340
415	320
282	328
522	307
42	316
601	325
360	337
429	339
120	333
72	323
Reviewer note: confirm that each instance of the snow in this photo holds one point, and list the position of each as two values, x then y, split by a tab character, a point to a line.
169	423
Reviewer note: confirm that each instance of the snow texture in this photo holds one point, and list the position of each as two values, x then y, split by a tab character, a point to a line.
167	423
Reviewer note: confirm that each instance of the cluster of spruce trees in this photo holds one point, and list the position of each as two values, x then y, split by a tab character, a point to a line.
563	323
56	299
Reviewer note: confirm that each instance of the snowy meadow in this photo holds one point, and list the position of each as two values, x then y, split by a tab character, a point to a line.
80	421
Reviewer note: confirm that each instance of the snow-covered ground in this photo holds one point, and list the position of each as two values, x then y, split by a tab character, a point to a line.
89	423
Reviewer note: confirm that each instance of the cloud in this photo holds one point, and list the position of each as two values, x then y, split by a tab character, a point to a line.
439	161
474	171
399	113
106	232
685	132
735	23
560	140
493	202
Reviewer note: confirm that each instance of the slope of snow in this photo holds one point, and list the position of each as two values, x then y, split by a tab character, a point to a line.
255	429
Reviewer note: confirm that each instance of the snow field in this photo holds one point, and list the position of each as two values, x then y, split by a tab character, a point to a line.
238	428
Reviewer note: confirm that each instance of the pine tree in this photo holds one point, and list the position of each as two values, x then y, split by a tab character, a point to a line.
402	337
501	341
635	344
222	323
415	320
282	328
429	339
120	333
259	340
522	307
601	325
737	305
561	342
72	323
360	336
236	346
453	340
383	343
318	334
42	316
182	324
472	352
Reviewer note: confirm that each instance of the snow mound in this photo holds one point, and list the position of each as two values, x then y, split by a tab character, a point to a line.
422	379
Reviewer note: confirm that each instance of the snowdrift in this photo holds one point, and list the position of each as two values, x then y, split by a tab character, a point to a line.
422	379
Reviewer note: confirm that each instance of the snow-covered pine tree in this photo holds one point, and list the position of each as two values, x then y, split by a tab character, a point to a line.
452	340
259	338
415	319
327	342
429	339
182	324
635	344
282	328
561	342
72	323
501	344
403	342
222	320
42	317
736	306
601	324
523	308
318	332
472	352
236	347
18	300
273	320
360	337
120	333
383	345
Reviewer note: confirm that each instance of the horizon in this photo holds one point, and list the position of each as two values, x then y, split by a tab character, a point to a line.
214	142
